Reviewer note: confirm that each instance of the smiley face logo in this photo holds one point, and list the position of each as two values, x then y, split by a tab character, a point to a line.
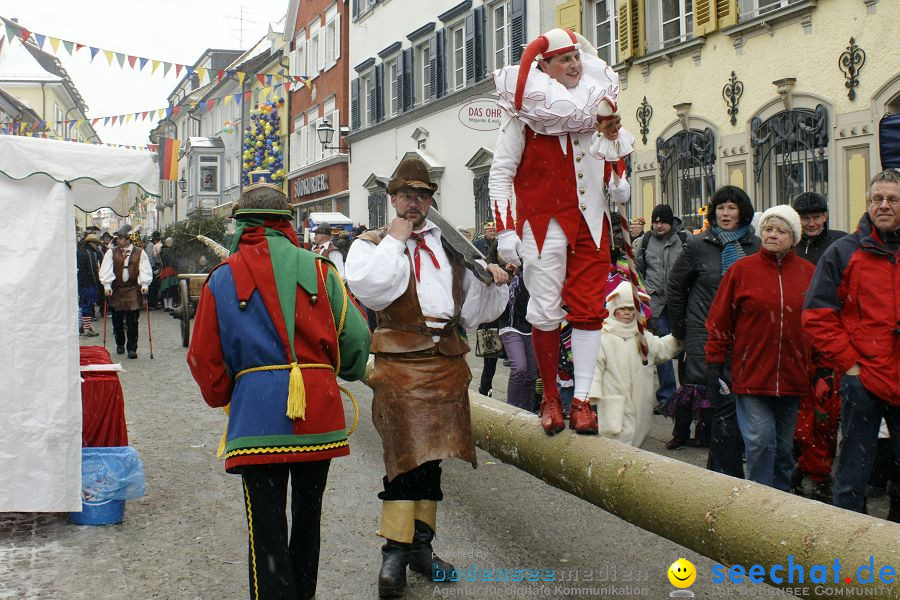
682	573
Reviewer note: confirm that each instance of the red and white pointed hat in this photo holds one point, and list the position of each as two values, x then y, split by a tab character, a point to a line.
554	42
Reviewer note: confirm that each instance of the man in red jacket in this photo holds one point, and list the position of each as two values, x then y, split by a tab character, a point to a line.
852	317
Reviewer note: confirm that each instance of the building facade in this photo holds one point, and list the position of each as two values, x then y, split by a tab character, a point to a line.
37	80
424	90
774	96
318	49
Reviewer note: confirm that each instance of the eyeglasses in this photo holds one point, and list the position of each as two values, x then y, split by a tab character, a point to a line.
413	196
878	200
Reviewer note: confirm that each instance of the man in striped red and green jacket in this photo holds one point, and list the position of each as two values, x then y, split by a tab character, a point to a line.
274	327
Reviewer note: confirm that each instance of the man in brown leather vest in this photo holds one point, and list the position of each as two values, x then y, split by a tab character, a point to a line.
424	299
125	274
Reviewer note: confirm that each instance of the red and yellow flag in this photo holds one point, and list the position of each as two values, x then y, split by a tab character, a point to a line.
168	158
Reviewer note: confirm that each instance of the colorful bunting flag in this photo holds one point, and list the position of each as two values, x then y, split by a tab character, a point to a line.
54	43
109	56
121	58
40	39
131	60
68	46
143	63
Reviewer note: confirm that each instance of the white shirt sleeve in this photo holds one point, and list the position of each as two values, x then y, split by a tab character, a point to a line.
481	303
145	275
377	275
507	156
337	258
107	276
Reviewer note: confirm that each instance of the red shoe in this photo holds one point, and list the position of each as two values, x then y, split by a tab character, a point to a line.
551	415
582	419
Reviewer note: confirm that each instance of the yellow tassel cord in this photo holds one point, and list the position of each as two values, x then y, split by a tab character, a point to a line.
296	402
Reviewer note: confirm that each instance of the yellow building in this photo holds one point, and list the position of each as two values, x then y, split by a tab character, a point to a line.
38	80
774	96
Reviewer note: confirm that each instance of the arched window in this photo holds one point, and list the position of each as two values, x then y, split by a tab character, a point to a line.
790	155
687	172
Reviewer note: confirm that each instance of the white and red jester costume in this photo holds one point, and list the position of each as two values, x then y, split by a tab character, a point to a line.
550	158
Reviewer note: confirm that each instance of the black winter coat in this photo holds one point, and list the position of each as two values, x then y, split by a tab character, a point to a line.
693	284
88	267
813	249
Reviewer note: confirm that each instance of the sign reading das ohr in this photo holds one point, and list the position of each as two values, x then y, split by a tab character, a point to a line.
480	114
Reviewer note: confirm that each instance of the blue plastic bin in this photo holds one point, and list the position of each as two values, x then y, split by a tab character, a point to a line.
108	512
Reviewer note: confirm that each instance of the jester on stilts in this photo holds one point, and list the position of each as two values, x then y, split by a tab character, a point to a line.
560	153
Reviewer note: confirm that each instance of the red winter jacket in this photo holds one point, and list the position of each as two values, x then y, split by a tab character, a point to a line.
852	313
756	314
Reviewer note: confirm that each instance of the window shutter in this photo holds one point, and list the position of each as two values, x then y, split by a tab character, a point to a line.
321	43
623	23
379	93
704	17
407	98
638	27
371	100
292	68
568	15
632	40
726	13
517	30
337	36
469	44
354	104
441	63
480	64
432	67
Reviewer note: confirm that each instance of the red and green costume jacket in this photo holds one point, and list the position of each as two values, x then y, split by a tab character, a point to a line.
273	328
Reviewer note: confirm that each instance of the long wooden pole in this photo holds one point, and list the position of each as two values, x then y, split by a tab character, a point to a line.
732	521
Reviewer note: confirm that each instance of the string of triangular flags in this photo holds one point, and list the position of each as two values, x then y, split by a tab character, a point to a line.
5	130
14	30
170	112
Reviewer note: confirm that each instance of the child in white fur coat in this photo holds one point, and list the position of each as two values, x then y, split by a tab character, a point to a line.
623	388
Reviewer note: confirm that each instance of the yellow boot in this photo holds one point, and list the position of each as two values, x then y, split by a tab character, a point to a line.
397	527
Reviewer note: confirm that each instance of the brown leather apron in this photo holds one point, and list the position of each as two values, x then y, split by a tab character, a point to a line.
420	403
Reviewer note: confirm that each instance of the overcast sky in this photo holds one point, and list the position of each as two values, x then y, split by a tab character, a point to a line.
175	31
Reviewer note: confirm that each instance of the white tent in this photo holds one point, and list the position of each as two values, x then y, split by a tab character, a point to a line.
41	183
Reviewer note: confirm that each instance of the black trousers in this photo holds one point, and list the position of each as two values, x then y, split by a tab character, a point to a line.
421	483
126	320
282	569
726	445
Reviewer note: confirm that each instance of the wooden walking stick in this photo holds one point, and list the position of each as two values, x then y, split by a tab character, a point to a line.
104	319
149	331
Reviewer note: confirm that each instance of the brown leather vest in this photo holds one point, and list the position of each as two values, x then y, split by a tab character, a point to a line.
402	327
127	294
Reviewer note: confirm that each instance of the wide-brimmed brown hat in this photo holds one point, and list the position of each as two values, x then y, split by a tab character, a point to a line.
411	173
92	238
324	229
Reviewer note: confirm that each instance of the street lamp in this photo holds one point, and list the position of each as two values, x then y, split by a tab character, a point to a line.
182	185
325	131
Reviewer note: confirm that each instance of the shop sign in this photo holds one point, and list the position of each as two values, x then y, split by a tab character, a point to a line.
481	114
310	186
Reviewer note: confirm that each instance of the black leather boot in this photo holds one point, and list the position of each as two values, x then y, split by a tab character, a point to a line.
422	558
392	576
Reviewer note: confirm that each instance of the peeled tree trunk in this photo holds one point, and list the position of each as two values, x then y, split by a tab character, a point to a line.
732	521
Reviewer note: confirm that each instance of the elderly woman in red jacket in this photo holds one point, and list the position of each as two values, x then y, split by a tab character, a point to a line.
756	315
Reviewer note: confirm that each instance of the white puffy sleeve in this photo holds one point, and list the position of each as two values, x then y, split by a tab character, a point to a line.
481	303
377	274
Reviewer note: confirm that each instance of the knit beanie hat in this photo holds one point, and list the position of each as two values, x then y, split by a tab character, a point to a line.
622	297
662	213
786	214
